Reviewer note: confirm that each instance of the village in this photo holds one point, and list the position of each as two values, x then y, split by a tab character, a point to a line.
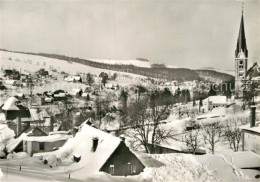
63	119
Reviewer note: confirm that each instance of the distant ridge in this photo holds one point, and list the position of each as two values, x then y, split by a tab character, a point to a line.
179	74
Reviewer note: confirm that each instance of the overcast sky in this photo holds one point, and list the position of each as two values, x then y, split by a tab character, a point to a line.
184	33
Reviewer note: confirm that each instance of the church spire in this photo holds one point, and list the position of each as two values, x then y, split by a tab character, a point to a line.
241	41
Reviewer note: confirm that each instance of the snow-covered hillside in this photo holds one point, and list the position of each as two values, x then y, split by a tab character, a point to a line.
230	72
133	62
31	63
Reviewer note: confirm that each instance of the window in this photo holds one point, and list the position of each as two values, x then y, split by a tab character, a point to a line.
241	65
41	146
133	169
111	169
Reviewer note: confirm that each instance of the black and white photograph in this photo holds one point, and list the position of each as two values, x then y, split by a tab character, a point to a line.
129	90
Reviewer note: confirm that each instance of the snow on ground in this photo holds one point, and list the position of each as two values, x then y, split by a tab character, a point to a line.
179	167
187	167
133	62
32	63
81	145
32	169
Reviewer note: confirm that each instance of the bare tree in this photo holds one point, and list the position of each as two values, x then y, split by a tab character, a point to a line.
212	134
192	140
102	107
145	116
233	133
234	137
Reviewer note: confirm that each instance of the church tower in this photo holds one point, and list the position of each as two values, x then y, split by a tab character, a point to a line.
241	56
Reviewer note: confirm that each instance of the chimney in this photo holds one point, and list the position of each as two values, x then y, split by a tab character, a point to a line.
122	137
19	126
95	144
51	124
252	118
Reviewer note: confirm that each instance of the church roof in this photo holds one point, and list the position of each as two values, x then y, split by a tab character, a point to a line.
254	71
241	41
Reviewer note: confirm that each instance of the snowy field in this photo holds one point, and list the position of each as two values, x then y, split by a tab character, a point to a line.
32	63
179	167
133	62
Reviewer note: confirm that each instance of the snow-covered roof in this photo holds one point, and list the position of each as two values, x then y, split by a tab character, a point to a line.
50	138
218	99
13	144
245	159
77	78
256	78
180	147
10	104
81	144
147	160
59	132
247	127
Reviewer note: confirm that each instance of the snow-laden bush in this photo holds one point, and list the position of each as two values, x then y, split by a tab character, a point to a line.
51	160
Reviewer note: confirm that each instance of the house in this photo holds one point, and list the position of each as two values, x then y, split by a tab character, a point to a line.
251	134
164	149
73	79
217	101
109	85
100	151
41	119
17	145
13	82
35	144
59	95
12	108
76	92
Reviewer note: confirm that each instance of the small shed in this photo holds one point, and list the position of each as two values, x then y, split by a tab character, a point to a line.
217	101
35	144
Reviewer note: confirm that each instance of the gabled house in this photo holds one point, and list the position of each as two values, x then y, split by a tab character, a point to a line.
218	101
17	145
100	151
12	108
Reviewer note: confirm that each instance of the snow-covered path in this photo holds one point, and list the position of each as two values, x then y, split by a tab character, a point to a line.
13	174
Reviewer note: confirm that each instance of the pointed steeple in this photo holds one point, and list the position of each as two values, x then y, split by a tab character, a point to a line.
241	41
